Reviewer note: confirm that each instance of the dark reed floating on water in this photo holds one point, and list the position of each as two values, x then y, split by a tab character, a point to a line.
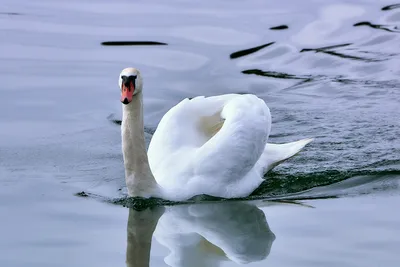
390	7
246	52
378	26
127	43
280	27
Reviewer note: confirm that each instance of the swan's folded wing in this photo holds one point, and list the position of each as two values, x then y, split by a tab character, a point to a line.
189	149
186	126
234	150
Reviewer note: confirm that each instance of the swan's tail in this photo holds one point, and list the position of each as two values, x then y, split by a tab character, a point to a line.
275	154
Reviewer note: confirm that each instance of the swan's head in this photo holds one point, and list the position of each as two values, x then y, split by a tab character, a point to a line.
130	82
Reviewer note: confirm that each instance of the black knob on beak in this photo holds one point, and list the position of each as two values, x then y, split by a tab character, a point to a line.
125	101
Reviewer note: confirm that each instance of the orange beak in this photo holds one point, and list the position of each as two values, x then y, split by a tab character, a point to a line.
127	92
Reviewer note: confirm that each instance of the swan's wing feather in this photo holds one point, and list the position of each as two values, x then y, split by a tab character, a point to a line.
235	149
181	127
210	145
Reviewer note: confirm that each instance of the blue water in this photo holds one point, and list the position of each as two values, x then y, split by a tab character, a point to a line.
326	69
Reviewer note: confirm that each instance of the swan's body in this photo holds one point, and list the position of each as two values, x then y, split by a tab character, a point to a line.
207	145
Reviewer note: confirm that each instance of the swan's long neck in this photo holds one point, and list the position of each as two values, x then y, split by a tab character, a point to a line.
139	179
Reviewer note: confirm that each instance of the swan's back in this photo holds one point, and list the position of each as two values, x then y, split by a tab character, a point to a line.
235	149
210	145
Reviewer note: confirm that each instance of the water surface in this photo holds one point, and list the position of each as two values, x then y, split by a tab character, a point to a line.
326	69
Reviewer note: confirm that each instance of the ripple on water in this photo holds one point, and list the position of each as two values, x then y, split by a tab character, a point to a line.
331	19
214	35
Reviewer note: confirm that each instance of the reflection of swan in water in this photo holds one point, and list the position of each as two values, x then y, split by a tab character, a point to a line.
200	234
141	225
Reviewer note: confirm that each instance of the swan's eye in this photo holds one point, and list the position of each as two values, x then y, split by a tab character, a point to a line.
124	77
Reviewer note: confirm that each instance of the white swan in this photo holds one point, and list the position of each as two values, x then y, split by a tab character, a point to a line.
207	145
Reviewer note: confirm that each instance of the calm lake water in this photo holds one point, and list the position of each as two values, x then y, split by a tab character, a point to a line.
327	69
